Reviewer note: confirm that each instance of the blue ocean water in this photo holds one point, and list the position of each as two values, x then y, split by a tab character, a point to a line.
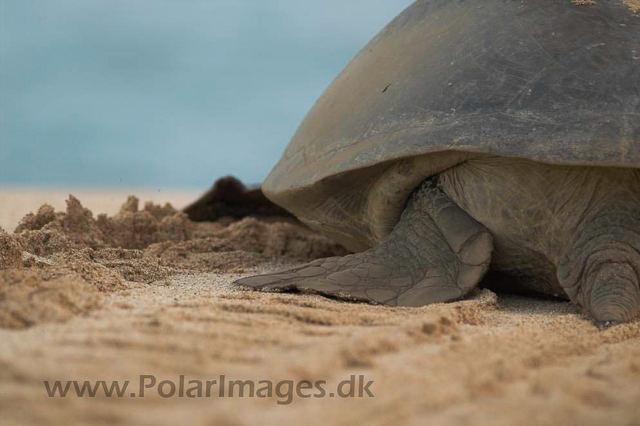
165	93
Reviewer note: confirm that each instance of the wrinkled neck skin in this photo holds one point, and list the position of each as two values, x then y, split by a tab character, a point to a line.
576	227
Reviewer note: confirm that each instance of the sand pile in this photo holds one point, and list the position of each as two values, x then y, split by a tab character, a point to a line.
10	251
136	245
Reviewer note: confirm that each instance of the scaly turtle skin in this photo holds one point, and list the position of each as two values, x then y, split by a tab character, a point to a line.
469	136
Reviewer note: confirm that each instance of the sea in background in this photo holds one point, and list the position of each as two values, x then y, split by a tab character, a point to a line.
165	94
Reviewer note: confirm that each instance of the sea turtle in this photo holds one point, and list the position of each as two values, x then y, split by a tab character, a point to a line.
470	136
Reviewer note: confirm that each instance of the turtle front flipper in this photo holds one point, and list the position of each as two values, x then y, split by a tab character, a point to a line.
436	253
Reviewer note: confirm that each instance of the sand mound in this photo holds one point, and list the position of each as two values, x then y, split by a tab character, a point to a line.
146	245
76	228
10	251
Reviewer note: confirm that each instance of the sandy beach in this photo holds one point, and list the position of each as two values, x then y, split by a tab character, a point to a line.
144	291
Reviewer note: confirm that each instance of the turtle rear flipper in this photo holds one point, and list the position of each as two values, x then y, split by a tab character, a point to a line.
436	253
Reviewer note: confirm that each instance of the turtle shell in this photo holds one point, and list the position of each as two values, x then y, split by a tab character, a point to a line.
546	80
